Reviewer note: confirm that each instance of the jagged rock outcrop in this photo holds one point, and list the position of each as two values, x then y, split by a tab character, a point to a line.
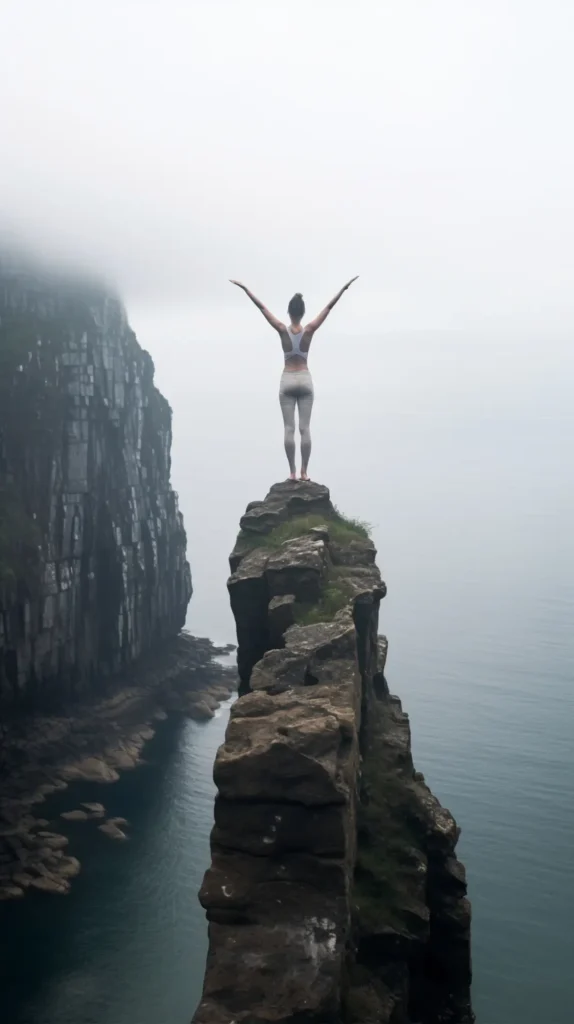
334	894
92	546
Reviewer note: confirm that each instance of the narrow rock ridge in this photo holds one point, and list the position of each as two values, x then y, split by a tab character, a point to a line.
93	570
334	895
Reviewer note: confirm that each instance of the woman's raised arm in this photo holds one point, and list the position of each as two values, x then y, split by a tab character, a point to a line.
322	316
277	324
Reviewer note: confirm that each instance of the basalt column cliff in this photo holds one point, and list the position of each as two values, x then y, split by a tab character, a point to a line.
92	546
334	894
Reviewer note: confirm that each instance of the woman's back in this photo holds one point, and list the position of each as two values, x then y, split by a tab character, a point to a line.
295	347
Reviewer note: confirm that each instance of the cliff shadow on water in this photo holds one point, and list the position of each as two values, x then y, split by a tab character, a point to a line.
334	894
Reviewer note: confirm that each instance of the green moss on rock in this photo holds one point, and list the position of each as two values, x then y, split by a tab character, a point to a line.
334	597
341	530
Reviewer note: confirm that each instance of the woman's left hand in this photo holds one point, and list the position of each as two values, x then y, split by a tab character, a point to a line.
238	283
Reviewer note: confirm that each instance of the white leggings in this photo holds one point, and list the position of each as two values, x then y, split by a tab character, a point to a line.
296	389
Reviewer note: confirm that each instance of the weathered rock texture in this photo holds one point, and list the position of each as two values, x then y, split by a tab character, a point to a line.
92	547
334	895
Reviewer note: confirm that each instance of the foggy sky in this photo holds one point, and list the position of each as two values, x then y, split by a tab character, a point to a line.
424	144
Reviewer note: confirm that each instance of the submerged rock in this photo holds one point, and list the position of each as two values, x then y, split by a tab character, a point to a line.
11	892
125	758
53	841
91	769
95	810
200	710
22	879
112	831
69	867
76	815
51	884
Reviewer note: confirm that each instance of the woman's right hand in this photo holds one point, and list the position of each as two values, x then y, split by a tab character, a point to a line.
349	283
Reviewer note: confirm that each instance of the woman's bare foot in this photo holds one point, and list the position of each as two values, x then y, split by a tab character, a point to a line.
292	476
304	476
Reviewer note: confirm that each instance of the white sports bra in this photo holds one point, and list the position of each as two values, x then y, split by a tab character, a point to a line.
296	352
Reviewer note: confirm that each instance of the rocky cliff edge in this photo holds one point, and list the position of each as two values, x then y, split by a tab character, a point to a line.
93	570
334	894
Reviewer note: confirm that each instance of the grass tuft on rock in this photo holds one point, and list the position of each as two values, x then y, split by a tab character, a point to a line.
357	526
333	598
341	530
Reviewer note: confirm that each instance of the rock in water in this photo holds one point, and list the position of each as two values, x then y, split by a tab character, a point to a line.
68	867
22	879
94	810
112	831
200	710
91	769
12	892
76	815
334	891
93	570
53	841
51	884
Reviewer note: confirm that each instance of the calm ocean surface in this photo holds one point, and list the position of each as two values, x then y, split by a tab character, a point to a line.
473	521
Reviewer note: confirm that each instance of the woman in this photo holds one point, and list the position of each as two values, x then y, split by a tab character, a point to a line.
296	388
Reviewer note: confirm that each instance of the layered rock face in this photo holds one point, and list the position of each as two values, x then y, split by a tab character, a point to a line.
334	895
92	546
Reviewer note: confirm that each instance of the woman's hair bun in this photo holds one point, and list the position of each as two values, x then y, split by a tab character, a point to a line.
296	307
